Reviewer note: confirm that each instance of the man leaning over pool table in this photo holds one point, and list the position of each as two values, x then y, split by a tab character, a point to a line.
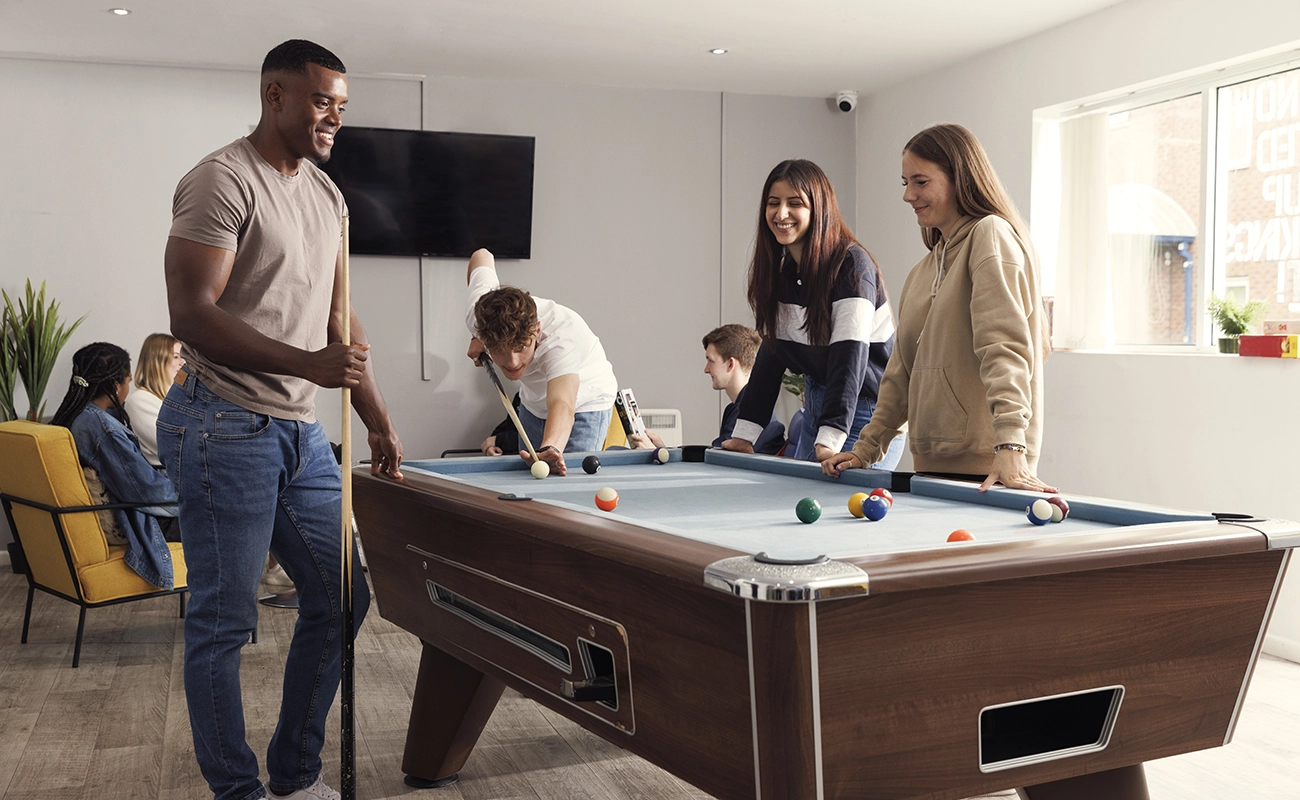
566	384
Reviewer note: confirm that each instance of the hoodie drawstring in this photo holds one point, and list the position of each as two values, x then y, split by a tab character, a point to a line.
938	268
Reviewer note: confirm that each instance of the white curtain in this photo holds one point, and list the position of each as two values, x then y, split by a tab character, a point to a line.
1071	229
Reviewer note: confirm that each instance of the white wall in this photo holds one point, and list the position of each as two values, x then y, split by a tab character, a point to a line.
1198	431
627	228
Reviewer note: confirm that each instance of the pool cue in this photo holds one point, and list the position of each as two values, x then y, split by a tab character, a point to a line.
348	760
486	361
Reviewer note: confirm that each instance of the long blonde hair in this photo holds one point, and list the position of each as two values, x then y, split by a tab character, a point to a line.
151	368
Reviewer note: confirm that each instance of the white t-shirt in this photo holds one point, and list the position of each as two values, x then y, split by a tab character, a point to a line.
565	346
142	406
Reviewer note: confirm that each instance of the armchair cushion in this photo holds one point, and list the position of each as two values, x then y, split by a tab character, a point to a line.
39	463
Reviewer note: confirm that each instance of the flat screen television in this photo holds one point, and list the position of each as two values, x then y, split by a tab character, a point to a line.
429	193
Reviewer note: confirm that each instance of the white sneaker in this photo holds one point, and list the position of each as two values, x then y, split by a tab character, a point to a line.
317	791
274	575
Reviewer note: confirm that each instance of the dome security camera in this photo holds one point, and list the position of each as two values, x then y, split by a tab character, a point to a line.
846	100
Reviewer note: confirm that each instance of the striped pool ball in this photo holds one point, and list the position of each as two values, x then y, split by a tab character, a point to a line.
1060	508
1040	512
607	499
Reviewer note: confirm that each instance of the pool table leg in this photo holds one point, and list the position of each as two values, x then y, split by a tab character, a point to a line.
1125	783
452	704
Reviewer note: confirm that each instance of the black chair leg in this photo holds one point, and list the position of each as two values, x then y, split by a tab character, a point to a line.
182	597
27	617
81	629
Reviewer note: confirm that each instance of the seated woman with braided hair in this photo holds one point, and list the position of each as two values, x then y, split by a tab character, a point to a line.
116	472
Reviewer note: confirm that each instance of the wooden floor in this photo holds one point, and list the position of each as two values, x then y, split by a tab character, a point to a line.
117	726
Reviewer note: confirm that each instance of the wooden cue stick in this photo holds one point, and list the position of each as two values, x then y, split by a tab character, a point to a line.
348	763
505	401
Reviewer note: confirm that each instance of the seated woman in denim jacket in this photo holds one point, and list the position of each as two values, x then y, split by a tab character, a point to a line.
110	452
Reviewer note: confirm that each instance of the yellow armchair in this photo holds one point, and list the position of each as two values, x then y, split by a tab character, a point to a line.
50	512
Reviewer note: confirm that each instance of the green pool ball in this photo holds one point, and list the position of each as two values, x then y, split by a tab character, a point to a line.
808	510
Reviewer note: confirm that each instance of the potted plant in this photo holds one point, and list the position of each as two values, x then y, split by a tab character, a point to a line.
793	384
1233	319
38	336
8	366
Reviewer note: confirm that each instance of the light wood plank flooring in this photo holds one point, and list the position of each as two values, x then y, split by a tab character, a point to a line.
117	727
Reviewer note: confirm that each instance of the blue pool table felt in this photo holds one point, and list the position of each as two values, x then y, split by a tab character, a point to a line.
752	509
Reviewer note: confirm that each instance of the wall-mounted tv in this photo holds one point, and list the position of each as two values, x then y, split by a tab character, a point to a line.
427	193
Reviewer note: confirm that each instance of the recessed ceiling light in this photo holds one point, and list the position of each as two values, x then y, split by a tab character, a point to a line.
717	51
121	12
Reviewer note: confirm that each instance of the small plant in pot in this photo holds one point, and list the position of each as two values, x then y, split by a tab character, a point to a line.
1233	319
35	336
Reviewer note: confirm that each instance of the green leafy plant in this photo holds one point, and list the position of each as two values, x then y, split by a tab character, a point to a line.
38	336
1235	318
8	367
793	384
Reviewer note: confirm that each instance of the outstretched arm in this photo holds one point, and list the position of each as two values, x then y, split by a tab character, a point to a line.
561	405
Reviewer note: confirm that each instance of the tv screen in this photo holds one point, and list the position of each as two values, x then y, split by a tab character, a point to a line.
427	193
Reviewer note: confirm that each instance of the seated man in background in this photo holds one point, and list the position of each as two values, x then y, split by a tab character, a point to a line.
729	353
566	384
504	438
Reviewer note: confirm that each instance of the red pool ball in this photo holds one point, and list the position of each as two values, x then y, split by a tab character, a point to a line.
1060	508
961	535
884	494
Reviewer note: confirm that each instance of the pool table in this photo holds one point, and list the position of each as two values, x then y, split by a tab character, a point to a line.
702	626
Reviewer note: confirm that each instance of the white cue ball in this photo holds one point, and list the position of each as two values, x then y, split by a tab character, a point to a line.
540	469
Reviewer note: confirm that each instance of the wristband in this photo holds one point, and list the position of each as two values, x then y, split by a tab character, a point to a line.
553	447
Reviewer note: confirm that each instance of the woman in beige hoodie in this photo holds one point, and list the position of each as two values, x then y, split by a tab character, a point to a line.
966	374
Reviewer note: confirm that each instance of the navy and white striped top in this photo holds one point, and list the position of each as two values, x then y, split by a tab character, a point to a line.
850	368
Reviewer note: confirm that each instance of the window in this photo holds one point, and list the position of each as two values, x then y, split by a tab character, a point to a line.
1143	204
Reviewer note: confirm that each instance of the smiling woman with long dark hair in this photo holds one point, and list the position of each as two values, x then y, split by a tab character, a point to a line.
820	304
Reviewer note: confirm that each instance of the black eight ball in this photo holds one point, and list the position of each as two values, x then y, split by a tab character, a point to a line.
591	465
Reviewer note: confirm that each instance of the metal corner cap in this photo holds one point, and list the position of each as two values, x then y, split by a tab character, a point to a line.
745	577
1281	534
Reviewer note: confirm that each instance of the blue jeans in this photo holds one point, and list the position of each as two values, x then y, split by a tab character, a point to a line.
813	395
249	484
588	434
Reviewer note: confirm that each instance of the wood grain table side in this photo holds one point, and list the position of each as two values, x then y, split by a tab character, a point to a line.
686	643
1045	554
783	672
901	702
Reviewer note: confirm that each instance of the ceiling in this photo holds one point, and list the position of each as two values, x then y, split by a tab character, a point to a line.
776	47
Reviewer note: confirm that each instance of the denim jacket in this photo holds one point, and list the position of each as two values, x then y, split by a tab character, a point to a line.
108	447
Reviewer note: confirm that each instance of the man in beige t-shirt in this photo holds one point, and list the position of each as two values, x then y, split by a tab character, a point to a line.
255	295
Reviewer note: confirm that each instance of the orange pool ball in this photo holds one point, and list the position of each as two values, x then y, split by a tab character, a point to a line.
607	499
961	535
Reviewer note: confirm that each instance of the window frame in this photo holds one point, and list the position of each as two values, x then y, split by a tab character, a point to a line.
1205	82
